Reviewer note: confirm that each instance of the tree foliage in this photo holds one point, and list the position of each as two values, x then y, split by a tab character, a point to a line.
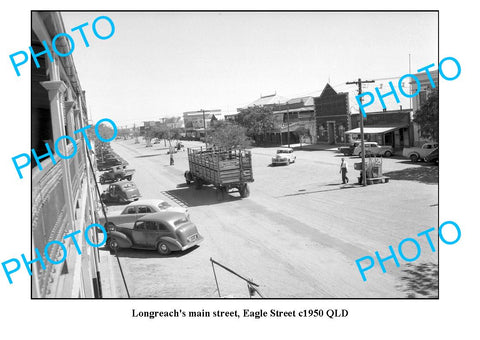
229	134
257	120
427	117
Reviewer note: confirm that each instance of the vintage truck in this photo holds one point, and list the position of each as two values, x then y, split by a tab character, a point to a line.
225	168
416	154
116	173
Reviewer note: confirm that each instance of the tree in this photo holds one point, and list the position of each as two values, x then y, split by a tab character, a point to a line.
427	117
229	135
258	121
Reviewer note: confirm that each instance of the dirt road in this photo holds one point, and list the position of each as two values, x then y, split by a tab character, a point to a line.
297	235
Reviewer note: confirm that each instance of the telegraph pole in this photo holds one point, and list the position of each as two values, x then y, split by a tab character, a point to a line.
204	122
288	126
204	128
359	82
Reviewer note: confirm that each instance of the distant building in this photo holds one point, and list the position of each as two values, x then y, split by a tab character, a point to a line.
392	128
271	100
64	199
295	115
195	122
332	113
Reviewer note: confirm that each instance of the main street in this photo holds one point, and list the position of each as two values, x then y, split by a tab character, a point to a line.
297	235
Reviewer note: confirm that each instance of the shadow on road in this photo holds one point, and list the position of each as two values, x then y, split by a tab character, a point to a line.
151	155
427	174
190	197
339	187
420	280
150	254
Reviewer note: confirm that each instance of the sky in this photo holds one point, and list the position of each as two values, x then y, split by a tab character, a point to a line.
161	64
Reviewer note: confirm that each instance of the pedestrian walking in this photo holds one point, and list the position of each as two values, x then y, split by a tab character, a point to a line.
171	158
344	170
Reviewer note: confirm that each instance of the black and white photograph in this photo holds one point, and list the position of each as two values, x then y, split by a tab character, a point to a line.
219	170
235	163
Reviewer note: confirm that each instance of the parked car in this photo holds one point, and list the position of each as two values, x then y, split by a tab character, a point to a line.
373	149
284	156
348	150
108	163
121	192
164	231
416	154
116	173
432	157
137	209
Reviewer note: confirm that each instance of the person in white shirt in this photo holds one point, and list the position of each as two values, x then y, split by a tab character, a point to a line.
344	170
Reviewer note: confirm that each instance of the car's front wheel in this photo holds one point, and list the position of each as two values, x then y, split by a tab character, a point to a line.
163	249
113	244
414	158
388	154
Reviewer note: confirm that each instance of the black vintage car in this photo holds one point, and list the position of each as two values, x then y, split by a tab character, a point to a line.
108	163
348	150
121	192
164	231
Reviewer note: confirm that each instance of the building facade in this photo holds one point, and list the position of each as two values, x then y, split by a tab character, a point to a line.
393	128
332	113
196	122
63	190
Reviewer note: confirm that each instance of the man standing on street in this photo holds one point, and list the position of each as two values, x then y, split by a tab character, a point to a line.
344	170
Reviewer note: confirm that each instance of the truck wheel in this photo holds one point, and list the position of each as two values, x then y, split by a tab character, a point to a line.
163	248
414	158
244	191
198	183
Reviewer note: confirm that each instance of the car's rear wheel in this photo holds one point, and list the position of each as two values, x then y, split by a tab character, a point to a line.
414	158
163	249
388	154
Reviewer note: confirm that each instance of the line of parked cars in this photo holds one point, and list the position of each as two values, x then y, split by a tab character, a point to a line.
151	224
142	224
428	152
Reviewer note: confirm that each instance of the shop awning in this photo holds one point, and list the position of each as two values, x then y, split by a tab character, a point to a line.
378	130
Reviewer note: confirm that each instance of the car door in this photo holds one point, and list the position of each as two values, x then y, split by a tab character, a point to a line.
374	149
138	235
151	233
156	230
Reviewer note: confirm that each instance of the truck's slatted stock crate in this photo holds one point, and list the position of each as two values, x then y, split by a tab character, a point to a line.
222	166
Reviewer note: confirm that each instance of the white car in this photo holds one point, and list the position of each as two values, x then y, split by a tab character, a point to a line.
373	149
137	209
284	156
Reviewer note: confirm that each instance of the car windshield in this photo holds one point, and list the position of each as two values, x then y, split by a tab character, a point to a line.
163	205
